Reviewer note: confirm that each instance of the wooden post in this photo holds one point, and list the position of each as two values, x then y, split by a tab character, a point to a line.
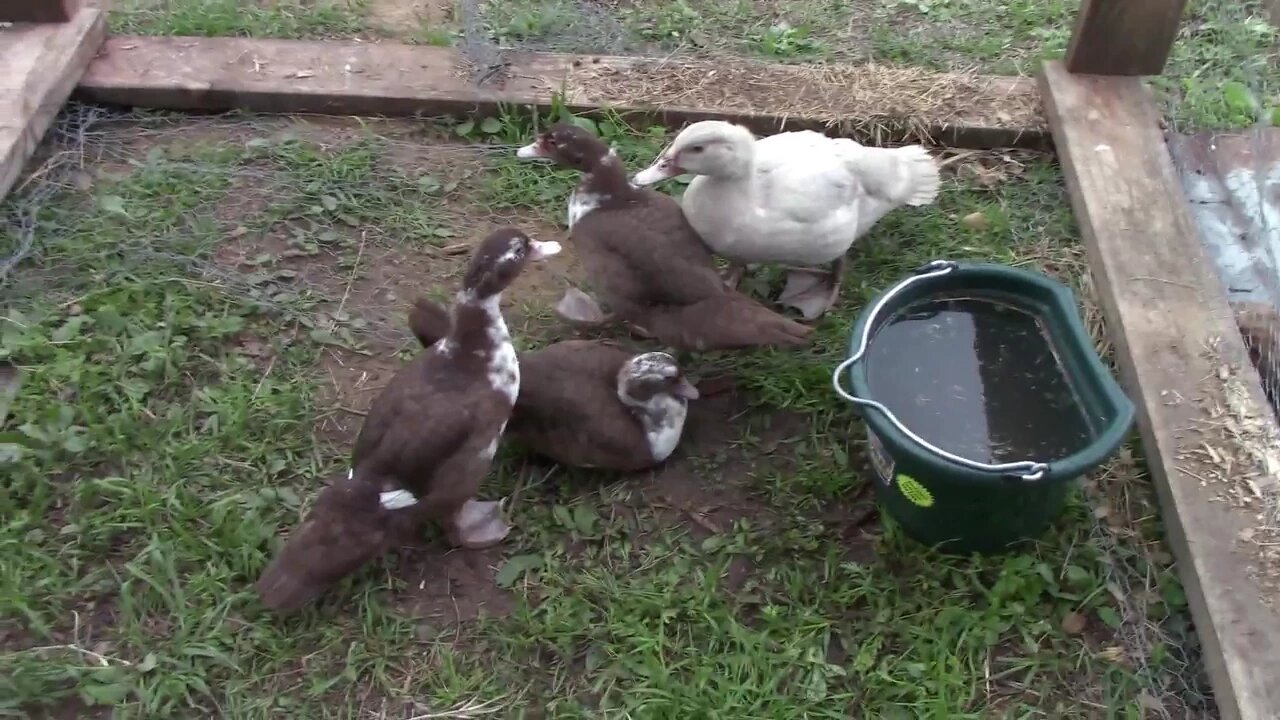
39	11
1124	37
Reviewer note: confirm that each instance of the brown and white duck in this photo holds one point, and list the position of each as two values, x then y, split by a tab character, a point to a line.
588	403
426	443
645	260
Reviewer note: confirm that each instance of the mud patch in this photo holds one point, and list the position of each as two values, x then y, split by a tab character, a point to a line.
449	587
446	587
409	18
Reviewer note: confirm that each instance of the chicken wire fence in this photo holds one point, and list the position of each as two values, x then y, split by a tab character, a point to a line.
86	139
89	144
47	252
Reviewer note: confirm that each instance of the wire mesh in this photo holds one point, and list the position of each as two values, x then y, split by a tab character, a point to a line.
90	147
87	137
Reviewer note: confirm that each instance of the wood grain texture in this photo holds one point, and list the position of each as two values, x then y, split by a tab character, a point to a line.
42	64
335	77
1124	37
38	11
1175	337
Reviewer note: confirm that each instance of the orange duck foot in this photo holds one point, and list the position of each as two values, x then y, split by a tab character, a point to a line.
732	276
579	307
478	525
812	292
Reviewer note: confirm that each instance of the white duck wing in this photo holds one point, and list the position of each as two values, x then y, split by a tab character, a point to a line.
890	178
799	179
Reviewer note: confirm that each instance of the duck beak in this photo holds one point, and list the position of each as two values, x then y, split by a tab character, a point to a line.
543	250
685	389
534	149
662	168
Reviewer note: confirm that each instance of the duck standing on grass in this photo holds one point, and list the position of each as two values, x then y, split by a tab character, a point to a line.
800	198
588	403
646	261
426	443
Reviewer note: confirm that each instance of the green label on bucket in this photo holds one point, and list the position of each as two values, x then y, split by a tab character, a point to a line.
915	492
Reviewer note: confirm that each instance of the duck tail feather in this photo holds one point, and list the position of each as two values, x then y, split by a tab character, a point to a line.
921	177
428	321
284	587
772	327
726	322
897	176
335	540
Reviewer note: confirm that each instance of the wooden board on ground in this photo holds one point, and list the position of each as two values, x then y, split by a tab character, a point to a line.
1210	439
878	102
41	66
1233	183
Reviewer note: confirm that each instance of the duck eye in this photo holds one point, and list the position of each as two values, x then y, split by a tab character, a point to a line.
696	148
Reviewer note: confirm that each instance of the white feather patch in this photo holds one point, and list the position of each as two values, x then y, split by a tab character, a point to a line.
504	367
664	436
396	499
581	203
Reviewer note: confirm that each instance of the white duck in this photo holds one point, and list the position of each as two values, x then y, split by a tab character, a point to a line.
799	198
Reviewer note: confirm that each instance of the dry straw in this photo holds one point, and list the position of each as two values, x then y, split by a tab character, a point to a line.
910	100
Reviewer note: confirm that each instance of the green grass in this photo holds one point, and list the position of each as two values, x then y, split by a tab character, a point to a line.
1224	72
157	457
215	18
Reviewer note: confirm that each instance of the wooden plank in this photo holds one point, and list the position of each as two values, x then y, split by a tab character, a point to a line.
41	66
288	76
1209	437
38	11
1124	37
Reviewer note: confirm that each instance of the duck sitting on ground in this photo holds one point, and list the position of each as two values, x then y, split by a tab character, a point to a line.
426	444
588	403
799	198
646	261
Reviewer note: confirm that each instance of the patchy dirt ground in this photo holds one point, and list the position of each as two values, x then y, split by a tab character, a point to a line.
750	572
373	278
431	21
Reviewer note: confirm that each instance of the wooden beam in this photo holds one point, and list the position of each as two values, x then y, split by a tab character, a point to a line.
41	66
288	76
1210	440
38	11
1124	37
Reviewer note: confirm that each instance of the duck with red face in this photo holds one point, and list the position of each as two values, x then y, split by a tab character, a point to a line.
427	442
645	261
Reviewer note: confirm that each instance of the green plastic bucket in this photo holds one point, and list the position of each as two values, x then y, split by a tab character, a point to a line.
954	503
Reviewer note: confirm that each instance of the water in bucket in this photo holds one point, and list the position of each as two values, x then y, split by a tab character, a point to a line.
978	378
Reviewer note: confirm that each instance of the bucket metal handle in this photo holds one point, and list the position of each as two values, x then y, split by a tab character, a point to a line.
1029	470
